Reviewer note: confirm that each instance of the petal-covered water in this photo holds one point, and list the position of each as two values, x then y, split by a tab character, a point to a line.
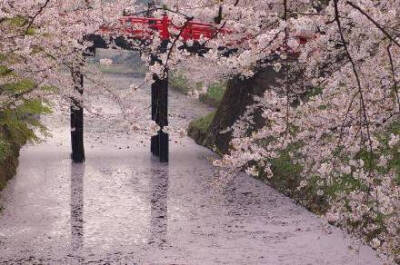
123	207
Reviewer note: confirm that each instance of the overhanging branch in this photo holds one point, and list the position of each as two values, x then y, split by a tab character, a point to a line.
380	27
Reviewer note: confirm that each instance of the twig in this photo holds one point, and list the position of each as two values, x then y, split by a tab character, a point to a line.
360	91
393	74
220	28
36	15
285	15
175	40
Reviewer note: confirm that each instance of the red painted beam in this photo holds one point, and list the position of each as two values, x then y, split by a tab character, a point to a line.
143	28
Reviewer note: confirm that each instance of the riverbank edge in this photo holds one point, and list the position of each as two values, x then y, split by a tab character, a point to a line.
9	163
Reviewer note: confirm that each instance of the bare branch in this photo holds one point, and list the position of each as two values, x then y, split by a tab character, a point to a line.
393	74
176	39
360	91
374	22
32	20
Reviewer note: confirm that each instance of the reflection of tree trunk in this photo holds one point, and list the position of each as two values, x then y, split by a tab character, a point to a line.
77	174
158	201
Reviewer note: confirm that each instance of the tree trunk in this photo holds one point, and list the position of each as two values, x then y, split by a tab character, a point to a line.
78	150
239	94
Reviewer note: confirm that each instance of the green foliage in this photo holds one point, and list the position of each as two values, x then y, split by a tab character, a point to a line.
30	32
9	152
5	148
179	82
286	173
17	123
394	152
22	86
198	129
48	88
370	159
19	109
314	91
22	119
31	107
18	128
216	90
395	165
18	21
215	93
19	119
346	184
123	68
284	168
4	71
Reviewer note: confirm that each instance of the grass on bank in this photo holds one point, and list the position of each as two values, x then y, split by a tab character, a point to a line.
122	69
203	123
215	91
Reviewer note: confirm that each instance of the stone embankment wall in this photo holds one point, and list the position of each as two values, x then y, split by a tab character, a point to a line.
8	157
238	96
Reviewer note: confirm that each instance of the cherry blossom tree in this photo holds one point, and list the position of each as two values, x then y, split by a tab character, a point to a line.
335	115
339	122
42	50
43	41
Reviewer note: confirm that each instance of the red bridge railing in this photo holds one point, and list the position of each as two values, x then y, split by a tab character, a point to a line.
144	28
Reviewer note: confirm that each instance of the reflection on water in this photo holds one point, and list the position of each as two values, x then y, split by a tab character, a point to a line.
158	201
77	174
158	206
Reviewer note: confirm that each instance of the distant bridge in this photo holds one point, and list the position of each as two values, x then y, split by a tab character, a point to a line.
133	33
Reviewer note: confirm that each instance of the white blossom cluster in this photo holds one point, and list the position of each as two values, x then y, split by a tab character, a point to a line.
43	41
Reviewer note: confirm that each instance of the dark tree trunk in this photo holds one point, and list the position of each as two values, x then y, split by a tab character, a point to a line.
78	150
239	94
159	109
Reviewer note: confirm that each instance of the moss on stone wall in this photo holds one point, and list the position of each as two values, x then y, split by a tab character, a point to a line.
198	129
9	153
